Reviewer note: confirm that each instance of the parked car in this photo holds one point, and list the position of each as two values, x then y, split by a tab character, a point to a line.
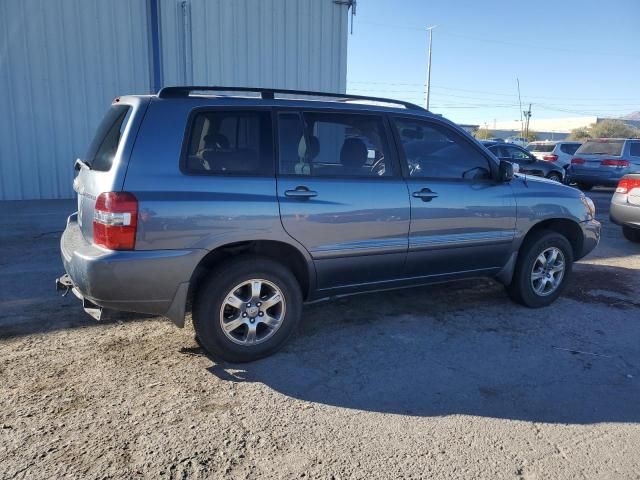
603	162
245	207
527	163
558	152
625	206
520	141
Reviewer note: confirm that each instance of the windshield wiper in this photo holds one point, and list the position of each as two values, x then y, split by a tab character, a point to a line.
79	164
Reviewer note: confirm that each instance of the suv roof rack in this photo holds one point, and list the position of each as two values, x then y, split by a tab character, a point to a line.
269	94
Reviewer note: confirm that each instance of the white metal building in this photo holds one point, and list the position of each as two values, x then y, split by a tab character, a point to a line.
63	61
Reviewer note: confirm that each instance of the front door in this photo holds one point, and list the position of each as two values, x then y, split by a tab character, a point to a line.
462	221
342	196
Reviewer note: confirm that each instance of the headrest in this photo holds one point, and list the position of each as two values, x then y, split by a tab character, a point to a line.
353	153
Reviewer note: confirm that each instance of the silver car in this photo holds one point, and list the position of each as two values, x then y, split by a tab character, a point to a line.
625	207
603	162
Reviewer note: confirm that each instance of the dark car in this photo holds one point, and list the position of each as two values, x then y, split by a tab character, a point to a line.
240	208
525	160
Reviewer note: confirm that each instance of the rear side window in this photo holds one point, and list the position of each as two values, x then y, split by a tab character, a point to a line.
569	148
230	143
634	149
541	147
601	147
432	150
333	144
105	144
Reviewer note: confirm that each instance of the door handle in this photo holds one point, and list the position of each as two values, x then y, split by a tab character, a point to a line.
300	192
426	195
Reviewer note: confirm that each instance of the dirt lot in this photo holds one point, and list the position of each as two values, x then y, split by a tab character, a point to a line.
450	381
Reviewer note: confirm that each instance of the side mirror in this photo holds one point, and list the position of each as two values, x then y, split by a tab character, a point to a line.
505	171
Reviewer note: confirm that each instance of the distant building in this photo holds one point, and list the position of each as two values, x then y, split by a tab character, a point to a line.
552	128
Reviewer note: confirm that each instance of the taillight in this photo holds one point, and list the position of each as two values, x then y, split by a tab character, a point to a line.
115	219
615	163
625	185
550	158
577	161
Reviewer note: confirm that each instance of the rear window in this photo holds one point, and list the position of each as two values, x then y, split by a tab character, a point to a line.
105	144
569	148
541	147
231	143
601	147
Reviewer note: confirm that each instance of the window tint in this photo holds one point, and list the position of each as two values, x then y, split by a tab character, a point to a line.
541	147
569	148
333	144
230	142
635	149
515	153
432	150
601	147
107	138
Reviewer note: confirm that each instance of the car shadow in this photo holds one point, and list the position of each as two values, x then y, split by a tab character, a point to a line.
465	349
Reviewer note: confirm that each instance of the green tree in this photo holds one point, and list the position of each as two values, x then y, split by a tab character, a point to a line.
483	134
581	133
613	129
605	129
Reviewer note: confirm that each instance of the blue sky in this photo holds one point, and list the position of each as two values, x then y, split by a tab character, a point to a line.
573	58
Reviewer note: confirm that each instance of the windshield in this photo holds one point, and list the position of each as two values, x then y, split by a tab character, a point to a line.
601	147
541	147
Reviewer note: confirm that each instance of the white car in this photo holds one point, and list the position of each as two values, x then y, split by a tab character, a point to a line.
520	141
558	152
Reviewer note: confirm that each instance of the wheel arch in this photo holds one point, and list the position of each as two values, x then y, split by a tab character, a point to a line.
284	253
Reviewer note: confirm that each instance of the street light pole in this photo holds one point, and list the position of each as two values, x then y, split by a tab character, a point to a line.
426	102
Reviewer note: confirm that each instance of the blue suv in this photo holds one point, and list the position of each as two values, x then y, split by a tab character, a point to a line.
238	205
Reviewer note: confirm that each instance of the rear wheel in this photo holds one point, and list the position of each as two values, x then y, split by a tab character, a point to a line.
543	269
631	234
585	186
247	309
555	176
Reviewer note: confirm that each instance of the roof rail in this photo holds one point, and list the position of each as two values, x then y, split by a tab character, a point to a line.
269	94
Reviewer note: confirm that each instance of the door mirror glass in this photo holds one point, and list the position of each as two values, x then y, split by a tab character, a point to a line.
505	172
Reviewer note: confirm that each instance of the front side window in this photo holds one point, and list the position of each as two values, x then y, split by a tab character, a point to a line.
515	153
333	144
432	150
105	144
230	142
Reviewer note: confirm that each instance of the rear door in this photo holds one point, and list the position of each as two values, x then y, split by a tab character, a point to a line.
341	195
104	166
462	221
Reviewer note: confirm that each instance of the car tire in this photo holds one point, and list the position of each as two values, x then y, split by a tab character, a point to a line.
531	278
631	234
229	320
555	176
585	187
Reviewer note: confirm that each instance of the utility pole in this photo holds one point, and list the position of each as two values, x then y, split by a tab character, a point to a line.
520	101
426	102
527	114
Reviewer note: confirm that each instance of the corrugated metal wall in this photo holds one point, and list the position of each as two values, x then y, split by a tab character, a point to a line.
63	61
61	64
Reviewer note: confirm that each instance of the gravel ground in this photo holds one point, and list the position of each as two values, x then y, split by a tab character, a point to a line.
451	381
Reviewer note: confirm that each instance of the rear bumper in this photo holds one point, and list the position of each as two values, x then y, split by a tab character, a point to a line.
606	179
590	235
154	281
623	213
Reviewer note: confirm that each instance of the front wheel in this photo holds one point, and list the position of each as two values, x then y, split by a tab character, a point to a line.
631	234
555	176
543	269
247	309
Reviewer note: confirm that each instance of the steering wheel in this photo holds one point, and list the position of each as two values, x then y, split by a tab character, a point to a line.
379	168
